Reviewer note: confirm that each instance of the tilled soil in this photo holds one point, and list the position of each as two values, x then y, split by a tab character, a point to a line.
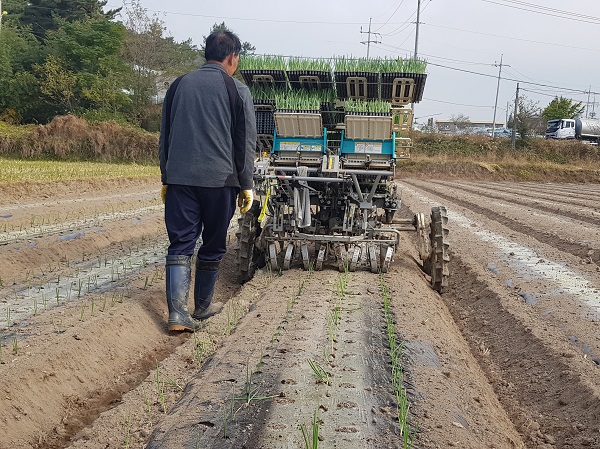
506	357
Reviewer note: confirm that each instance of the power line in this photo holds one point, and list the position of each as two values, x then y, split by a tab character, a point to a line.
505	79
512	38
539	93
517	74
459	104
511	79
458	61
407	23
540	10
512	69
389	18
384	13
247	19
551	95
553	10
425	7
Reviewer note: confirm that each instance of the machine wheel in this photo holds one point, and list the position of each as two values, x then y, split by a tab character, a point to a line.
374	256
355	253
273	257
423	243
389	215
386	254
320	257
305	256
439	256
343	257
246	253
289	256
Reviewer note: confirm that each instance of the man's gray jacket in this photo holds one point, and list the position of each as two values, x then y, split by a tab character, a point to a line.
208	131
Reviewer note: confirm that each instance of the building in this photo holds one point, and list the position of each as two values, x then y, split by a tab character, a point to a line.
468	127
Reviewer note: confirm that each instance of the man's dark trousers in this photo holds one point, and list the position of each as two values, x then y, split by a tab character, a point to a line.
191	211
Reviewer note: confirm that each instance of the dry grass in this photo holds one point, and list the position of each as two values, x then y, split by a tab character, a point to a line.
499	150
72	138
478	157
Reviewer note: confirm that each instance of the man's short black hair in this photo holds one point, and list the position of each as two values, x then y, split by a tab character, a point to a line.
221	44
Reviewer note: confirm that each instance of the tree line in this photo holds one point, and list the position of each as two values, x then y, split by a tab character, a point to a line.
74	57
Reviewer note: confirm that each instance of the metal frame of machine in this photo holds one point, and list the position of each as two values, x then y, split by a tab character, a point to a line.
327	195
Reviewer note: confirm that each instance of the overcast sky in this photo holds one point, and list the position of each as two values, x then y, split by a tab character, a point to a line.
554	45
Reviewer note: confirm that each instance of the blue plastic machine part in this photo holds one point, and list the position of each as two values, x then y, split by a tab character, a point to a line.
318	145
359	146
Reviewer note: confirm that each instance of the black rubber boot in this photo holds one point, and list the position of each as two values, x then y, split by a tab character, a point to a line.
178	275
204	287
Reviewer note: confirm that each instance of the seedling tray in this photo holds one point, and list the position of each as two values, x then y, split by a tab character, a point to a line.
266	78
372	85
387	82
265	121
310	79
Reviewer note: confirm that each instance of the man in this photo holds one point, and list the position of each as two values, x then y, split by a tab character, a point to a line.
206	151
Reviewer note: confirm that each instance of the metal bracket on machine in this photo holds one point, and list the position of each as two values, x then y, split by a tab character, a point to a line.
349	218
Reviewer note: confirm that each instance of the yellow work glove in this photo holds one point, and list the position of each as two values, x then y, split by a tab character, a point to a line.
245	199
163	193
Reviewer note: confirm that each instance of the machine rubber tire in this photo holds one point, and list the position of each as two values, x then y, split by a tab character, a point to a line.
247	256
440	257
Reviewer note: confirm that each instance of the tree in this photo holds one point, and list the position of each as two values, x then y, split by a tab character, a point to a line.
41	15
58	83
91	49
20	96
529	120
154	59
86	44
247	47
23	48
14	9
562	107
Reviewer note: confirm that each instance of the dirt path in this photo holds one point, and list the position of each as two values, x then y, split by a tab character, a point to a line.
506	357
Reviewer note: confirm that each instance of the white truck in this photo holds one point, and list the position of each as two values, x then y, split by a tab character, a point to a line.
574	128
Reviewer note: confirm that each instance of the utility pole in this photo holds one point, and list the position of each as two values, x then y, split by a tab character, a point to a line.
368	41
497	91
506	122
412	105
514	130
417	31
587	109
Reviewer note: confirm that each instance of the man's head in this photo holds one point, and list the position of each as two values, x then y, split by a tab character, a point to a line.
223	47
